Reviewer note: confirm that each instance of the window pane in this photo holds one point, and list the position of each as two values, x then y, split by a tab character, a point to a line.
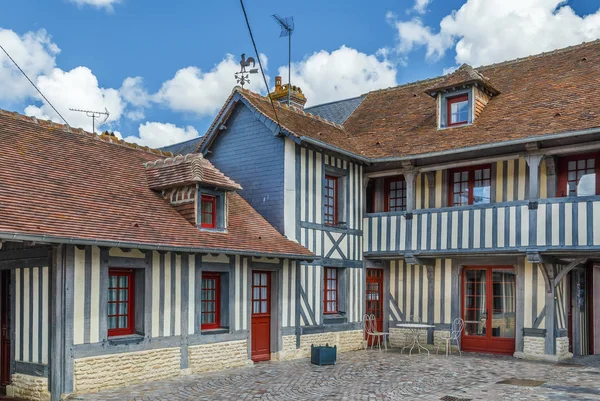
123	308
112	309
112	295
122	322
123	281
112	322
587	185
112	281
264	307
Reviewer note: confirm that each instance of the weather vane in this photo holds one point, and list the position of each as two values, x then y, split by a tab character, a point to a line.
243	76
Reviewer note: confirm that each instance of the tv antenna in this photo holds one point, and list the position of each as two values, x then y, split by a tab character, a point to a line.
94	115
287	28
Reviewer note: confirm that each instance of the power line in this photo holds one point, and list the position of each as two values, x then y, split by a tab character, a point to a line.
31	82
260	63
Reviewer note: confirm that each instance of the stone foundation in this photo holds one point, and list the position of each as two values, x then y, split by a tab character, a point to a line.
345	341
218	356
28	387
534	349
109	371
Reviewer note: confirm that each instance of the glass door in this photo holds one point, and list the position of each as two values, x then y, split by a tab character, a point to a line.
488	308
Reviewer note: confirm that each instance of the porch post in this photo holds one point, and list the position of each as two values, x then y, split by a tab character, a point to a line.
57	309
550	344
409	176
533	161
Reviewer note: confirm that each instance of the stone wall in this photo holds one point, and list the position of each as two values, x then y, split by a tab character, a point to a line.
218	356
108	371
534	348
345	341
28	387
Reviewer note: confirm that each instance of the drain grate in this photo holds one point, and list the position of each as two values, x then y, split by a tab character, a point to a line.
522	382
452	398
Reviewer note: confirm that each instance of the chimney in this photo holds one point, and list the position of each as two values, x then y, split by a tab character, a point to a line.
280	94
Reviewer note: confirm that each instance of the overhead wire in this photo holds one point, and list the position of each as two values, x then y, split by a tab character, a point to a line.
31	82
260	63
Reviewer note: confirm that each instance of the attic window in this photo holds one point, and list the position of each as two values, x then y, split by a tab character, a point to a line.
208	212
458	110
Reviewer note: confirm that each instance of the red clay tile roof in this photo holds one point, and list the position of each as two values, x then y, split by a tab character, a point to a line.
545	94
184	170
465	74
77	186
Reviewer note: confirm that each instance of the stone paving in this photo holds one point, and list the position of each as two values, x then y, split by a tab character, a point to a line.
373	376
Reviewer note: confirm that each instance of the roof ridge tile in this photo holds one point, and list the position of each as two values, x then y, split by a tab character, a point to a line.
54	126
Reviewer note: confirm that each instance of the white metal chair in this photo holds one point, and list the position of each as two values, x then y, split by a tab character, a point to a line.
408	336
370	327
456	329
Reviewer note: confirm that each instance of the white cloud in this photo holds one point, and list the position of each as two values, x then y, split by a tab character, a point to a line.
489	31
106	4
421	6
34	52
203	93
343	73
78	89
156	135
133	92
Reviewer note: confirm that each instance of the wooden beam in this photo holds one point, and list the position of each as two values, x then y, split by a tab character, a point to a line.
550	341
565	270
415	260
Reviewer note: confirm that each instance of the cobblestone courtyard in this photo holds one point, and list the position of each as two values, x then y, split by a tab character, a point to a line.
372	375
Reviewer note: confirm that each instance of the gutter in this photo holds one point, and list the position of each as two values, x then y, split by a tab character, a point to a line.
370	160
140	245
561	135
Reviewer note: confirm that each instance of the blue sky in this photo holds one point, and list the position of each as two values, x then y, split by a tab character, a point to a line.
163	69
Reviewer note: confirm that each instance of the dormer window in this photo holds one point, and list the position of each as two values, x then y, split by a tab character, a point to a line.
461	96
208	211
458	110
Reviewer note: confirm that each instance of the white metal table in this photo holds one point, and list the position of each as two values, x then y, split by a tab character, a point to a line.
414	330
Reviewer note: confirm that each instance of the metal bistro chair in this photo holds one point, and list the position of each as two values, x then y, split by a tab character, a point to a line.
408	336
370	327
458	326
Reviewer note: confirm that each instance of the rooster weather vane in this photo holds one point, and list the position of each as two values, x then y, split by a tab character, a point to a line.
243	76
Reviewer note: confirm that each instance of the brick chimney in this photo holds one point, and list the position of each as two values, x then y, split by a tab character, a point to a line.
280	94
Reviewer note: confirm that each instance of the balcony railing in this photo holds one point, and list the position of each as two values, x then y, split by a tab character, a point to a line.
557	223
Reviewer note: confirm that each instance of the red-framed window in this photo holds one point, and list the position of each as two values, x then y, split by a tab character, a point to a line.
330	290
395	194
120	302
208	211
579	175
330	200
210	298
458	110
261	293
470	185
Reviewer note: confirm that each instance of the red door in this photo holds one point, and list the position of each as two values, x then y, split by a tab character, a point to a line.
375	296
261	316
4	330
489	309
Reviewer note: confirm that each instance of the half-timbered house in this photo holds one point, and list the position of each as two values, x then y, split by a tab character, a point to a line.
121	265
472	195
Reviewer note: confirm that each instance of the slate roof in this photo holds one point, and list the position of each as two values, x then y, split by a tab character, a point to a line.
70	186
549	93
183	148
337	112
180	170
